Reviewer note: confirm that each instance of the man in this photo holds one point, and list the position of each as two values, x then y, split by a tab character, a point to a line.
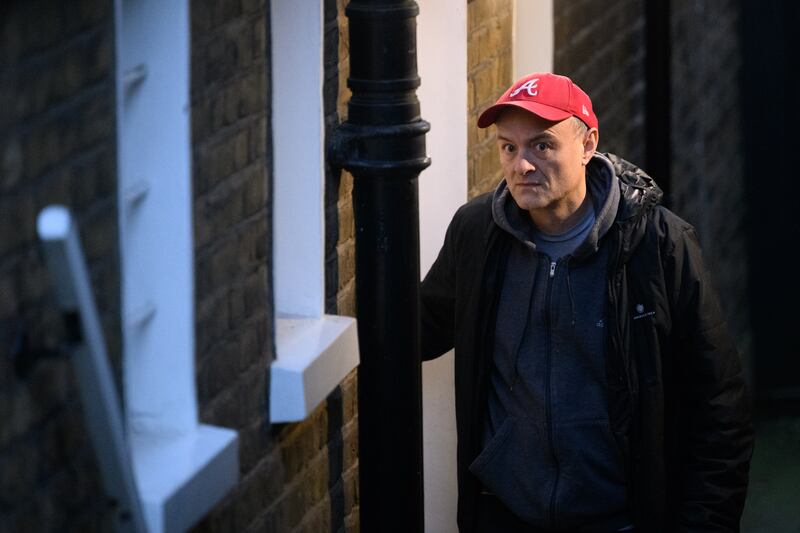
597	387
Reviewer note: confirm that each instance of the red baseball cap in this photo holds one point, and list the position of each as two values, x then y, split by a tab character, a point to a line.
547	95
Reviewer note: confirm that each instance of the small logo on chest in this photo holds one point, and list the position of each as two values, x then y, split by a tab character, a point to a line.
640	312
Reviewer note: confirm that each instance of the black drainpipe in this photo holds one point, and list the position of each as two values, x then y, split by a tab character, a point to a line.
382	144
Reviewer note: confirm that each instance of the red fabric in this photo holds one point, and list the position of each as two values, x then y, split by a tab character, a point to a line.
547	95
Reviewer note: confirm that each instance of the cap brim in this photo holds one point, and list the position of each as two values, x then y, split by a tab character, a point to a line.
489	116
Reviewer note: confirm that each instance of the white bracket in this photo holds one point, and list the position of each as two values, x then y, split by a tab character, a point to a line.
141	315
65	261
136	193
134	76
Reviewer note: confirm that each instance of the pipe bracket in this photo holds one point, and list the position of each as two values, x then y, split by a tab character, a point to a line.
379	148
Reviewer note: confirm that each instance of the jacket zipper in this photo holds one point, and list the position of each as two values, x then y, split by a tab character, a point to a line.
615	281
548	406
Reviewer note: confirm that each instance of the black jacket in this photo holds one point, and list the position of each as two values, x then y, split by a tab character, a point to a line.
677	399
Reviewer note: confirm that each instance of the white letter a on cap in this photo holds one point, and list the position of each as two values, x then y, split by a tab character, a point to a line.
529	86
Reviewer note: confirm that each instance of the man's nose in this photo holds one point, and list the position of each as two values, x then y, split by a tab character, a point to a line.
524	166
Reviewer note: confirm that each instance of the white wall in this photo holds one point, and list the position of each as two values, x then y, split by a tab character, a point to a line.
533	37
442	62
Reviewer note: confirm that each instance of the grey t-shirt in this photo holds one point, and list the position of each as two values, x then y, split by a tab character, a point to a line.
557	246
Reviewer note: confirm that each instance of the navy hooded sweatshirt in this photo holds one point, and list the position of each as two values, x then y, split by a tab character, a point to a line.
549	454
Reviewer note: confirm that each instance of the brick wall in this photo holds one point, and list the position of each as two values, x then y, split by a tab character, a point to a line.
57	142
601	46
229	58
341	187
294	477
340	184
489	73
57	145
708	182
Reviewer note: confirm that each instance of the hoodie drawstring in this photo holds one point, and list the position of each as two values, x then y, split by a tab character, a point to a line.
516	352
571	296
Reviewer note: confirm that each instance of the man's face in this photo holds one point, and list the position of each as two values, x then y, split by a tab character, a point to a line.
544	162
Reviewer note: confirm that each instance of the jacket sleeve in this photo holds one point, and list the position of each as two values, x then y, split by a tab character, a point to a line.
437	300
719	431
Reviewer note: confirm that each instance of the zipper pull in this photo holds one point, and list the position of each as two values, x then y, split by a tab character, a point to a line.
552	269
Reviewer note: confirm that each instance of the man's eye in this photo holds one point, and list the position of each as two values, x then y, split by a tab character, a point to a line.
508	148
541	146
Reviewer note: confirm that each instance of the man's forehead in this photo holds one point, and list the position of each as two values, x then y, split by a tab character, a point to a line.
531	126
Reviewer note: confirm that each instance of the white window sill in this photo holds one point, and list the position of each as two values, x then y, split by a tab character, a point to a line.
314	356
181	477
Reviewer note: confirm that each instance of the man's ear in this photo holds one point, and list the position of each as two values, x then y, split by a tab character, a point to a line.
590	141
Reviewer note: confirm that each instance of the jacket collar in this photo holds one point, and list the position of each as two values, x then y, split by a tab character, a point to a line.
639	194
639	191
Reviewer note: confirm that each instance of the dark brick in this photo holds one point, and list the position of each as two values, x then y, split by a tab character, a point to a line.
303	442
252	244
286	480
212	321
706	66
256	492
254	445
706	124
259	45
63	437
224	264
57	132
254	192
245	400
255	295
201	19
39	514
253	6
18	474
11	165
218	369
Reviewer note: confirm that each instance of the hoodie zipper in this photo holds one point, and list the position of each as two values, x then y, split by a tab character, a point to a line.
548	400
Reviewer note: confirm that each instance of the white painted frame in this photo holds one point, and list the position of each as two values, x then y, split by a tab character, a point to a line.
315	351
298	135
182	468
155	215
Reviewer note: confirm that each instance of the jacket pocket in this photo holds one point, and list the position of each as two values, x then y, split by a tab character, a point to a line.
593	483
515	465
494	445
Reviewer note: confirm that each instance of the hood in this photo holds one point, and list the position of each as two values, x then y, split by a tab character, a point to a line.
639	191
639	194
604	190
